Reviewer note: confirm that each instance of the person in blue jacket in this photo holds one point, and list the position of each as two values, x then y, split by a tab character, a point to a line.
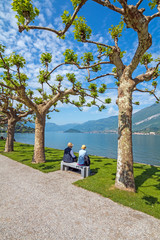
69	155
82	154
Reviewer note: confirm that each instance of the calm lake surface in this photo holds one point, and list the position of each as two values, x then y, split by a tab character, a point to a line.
146	148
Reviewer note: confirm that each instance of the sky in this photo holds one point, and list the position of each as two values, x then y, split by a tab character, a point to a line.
33	43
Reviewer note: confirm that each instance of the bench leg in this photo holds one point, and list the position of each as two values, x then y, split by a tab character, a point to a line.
88	171
83	172
62	166
66	168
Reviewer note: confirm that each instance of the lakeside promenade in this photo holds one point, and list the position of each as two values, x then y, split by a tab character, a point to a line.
40	206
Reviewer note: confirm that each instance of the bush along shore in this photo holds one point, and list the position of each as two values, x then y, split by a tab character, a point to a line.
101	181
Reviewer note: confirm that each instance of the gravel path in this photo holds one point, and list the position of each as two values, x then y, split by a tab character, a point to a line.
39	206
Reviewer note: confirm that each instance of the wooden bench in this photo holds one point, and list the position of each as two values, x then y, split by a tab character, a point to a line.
85	170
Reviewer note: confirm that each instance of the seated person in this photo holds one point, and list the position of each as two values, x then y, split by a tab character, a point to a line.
82	156
69	155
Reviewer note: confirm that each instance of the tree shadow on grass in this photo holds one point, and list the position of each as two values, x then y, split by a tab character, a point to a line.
108	164
94	171
25	160
113	174
98	160
150	200
157	186
51	167
147	173
54	161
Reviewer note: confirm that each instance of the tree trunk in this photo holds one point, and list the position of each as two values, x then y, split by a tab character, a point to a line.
39	152
124	176
9	146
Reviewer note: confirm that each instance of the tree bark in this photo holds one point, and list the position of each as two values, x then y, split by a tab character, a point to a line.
124	176
9	146
39	152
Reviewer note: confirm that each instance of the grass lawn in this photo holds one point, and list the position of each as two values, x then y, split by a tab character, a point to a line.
24	152
147	178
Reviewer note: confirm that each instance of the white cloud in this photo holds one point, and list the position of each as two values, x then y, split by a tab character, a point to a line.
41	19
21	44
49	12
112	111
33	43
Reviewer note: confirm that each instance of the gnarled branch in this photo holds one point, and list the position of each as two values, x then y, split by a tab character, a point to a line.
148	91
107	3
138	4
149	18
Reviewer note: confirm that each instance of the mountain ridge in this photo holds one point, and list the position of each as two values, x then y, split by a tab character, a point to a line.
147	118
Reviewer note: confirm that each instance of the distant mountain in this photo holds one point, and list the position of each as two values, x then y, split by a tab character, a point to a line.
110	123
55	127
147	119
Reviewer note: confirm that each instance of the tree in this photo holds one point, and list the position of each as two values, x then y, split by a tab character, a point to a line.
3	120
12	113
44	99
133	17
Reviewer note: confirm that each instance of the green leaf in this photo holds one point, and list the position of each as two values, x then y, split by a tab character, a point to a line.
2	48
81	30
146	59
71	77
46	58
43	76
96	68
93	87
154	83
59	78
116	31
156	73
122	54
17	60
103	88
70	56
108	100
38	100
102	107
153	3
136	103
66	17
87	58
25	11
75	3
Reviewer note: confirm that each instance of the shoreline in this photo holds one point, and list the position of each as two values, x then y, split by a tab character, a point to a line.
92	155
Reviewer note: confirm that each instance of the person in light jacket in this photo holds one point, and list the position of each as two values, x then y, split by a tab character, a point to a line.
69	155
82	154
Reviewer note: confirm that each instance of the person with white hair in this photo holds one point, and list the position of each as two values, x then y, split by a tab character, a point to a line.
83	158
69	155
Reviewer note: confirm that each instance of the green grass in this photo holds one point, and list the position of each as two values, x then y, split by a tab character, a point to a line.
147	178
23	153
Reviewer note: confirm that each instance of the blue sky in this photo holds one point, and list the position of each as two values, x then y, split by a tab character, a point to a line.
33	43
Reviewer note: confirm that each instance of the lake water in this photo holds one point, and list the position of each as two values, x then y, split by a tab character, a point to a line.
146	148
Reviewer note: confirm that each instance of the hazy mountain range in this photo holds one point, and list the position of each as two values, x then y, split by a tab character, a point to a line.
147	119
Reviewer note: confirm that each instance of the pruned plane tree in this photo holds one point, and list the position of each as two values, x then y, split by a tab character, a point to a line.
49	92
12	113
